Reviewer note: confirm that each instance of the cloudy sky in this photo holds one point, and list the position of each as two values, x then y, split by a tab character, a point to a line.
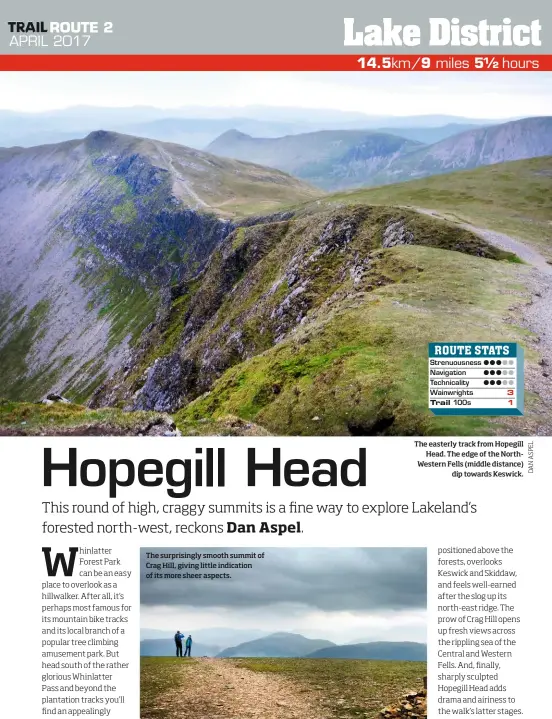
492	94
338	594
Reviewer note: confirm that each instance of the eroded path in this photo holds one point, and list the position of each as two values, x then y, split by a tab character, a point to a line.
537	315
182	187
209	688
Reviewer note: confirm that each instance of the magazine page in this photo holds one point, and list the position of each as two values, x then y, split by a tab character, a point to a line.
247	248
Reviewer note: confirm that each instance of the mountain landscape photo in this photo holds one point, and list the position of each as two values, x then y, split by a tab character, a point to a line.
318	607
334	160
284	277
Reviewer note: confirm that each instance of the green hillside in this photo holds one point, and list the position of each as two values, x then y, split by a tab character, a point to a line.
359	365
514	198
319	325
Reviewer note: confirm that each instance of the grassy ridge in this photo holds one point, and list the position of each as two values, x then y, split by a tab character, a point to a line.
38	419
28	418
514	198
359	366
323	330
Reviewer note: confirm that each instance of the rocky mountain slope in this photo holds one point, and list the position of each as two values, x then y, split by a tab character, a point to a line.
92	233
352	158
430	135
519	140
330	159
318	323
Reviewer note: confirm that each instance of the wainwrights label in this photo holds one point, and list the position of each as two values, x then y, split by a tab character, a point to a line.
475	378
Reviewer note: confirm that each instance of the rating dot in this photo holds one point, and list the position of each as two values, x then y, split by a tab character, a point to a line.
492	361
492	381
486	362
499	371
486	371
486	381
499	362
498	381
492	371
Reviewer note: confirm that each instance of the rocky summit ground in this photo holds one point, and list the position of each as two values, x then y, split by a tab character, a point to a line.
207	688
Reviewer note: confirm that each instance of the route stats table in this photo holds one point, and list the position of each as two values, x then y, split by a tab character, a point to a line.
475	378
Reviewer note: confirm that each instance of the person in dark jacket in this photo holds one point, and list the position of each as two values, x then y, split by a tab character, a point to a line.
178	637
188	652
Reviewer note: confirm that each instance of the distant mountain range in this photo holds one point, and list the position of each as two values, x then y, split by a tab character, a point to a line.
328	159
280	644
220	637
351	158
198	126
285	644
404	651
29	130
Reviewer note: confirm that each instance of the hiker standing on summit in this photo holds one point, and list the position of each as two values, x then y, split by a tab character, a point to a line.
188	652
178	637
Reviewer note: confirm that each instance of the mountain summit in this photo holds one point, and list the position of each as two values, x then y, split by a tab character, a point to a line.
92	232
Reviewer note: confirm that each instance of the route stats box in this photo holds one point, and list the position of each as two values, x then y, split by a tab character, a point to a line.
475	378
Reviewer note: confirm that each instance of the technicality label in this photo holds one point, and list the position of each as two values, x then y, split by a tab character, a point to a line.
475	378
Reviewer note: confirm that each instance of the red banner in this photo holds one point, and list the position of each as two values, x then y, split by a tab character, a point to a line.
310	63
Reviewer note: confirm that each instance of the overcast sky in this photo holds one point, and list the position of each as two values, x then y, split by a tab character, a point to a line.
492	94
337	594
